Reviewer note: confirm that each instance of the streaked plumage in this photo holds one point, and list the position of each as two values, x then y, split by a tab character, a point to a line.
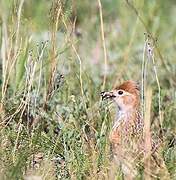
126	136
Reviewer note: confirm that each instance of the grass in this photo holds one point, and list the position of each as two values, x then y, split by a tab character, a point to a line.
56	58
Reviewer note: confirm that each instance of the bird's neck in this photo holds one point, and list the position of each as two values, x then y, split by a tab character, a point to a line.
131	116
127	113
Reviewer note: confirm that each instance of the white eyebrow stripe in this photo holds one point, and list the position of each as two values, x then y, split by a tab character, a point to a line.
128	93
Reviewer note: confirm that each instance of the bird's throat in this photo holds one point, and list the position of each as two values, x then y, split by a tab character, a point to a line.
129	116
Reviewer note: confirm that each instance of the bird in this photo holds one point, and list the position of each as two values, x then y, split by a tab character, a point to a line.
127	134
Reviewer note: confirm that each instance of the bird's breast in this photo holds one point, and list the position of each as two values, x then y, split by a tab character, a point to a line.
123	132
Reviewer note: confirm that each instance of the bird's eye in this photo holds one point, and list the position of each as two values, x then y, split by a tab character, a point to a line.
120	92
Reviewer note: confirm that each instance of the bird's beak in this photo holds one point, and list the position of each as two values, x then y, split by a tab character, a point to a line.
107	95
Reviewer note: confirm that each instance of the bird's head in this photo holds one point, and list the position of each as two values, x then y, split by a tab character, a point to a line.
126	96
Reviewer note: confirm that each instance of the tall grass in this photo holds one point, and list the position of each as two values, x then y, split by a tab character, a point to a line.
53	123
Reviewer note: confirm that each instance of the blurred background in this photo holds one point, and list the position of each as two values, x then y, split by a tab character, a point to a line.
56	57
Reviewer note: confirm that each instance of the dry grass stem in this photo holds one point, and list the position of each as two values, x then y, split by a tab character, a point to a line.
147	133
103	41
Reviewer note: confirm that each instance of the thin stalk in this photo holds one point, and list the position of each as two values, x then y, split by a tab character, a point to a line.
147	134
103	41
159	90
143	78
18	25
80	69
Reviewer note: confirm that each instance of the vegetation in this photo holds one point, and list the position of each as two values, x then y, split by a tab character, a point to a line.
56	58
